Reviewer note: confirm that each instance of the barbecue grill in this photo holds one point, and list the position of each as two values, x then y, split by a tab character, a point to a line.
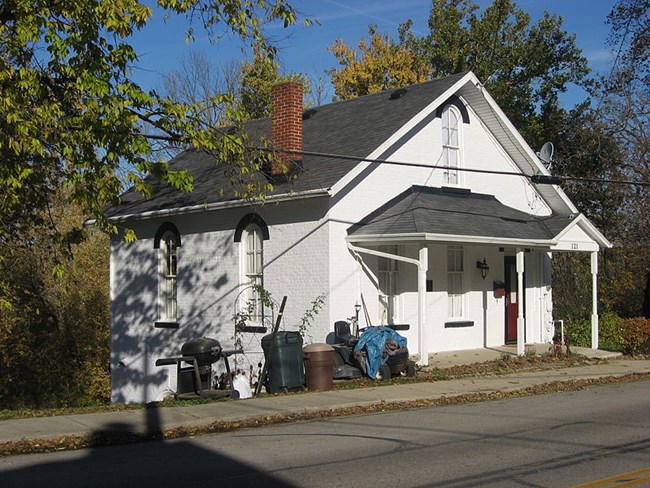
205	350
196	379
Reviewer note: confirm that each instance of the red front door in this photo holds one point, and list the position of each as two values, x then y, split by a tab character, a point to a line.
512	304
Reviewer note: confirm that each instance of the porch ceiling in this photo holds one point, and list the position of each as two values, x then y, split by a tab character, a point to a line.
456	215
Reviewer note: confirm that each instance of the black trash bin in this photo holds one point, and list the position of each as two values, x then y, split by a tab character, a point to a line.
285	369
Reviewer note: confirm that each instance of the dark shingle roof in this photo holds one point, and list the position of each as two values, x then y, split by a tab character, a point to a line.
352	127
450	211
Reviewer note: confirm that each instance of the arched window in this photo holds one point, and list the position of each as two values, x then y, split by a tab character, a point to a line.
253	270
167	241
451	119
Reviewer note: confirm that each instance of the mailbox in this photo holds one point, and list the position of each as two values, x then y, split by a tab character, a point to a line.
499	289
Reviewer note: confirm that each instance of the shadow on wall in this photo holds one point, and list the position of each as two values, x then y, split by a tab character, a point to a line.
136	343
208	286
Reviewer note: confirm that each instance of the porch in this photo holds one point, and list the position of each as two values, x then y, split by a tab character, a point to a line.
470	356
446	234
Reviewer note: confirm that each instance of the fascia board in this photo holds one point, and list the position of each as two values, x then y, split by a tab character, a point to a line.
212	206
419	237
393	139
525	149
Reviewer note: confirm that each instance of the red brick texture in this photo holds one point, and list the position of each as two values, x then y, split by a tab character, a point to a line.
286	125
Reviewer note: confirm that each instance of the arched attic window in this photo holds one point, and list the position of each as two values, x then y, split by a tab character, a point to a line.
451	144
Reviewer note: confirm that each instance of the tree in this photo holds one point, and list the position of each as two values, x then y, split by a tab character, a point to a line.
70	115
630	35
197	79
525	67
612	140
256	78
246	86
623	109
377	65
54	334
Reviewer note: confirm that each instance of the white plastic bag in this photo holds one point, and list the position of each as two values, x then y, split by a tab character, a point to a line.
240	383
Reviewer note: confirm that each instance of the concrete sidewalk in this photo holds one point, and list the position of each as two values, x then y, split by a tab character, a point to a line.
147	420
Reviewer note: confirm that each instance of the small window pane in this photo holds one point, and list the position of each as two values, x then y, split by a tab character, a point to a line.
453	138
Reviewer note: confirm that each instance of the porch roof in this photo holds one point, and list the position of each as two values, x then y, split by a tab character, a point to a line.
452	214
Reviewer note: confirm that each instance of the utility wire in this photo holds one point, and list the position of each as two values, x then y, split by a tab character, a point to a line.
537	179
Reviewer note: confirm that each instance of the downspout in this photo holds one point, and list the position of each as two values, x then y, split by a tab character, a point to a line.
422	264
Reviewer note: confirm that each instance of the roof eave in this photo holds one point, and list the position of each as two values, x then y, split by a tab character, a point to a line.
168	212
428	237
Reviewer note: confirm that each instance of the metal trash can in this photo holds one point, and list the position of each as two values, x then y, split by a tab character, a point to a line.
285	365
319	364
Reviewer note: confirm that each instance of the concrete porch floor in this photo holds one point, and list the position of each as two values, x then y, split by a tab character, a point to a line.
469	356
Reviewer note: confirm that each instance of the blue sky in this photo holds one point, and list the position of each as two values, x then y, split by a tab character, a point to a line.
304	49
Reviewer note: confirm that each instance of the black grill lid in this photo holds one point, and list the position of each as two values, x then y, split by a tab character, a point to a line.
205	350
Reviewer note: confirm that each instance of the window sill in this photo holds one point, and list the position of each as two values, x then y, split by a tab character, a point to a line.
253	329
459	323
166	325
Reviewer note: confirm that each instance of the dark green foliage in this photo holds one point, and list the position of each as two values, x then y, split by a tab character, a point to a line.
629	336
524	66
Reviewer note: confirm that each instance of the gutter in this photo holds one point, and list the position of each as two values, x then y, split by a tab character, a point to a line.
213	206
450	238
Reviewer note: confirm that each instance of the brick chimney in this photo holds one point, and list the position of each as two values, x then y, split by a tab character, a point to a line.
286	126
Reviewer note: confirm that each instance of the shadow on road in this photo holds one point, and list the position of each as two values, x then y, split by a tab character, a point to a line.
157	463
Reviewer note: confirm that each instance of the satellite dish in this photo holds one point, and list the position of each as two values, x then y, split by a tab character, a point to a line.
546	154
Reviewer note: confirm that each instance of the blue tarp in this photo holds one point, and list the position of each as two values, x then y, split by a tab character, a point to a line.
372	340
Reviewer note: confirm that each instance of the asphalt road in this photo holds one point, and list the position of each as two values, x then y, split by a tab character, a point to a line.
543	441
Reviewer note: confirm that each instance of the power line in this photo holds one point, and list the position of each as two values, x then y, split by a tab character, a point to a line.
537	179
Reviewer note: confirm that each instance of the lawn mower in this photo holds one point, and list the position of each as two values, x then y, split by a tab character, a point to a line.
378	352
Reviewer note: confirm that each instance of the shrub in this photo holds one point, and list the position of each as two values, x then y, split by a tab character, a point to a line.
635	335
610	336
579	333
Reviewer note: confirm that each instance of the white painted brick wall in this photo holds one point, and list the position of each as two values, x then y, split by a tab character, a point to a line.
295	259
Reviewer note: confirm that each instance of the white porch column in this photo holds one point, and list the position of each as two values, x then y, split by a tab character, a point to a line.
594	300
520	303
423	266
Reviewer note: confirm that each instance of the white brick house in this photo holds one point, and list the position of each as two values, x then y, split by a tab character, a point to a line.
418	203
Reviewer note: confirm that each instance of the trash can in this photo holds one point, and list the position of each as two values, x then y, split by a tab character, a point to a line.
319	364
285	369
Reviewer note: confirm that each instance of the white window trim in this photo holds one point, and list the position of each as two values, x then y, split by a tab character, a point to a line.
165	303
394	270
463	289
447	145
246	291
